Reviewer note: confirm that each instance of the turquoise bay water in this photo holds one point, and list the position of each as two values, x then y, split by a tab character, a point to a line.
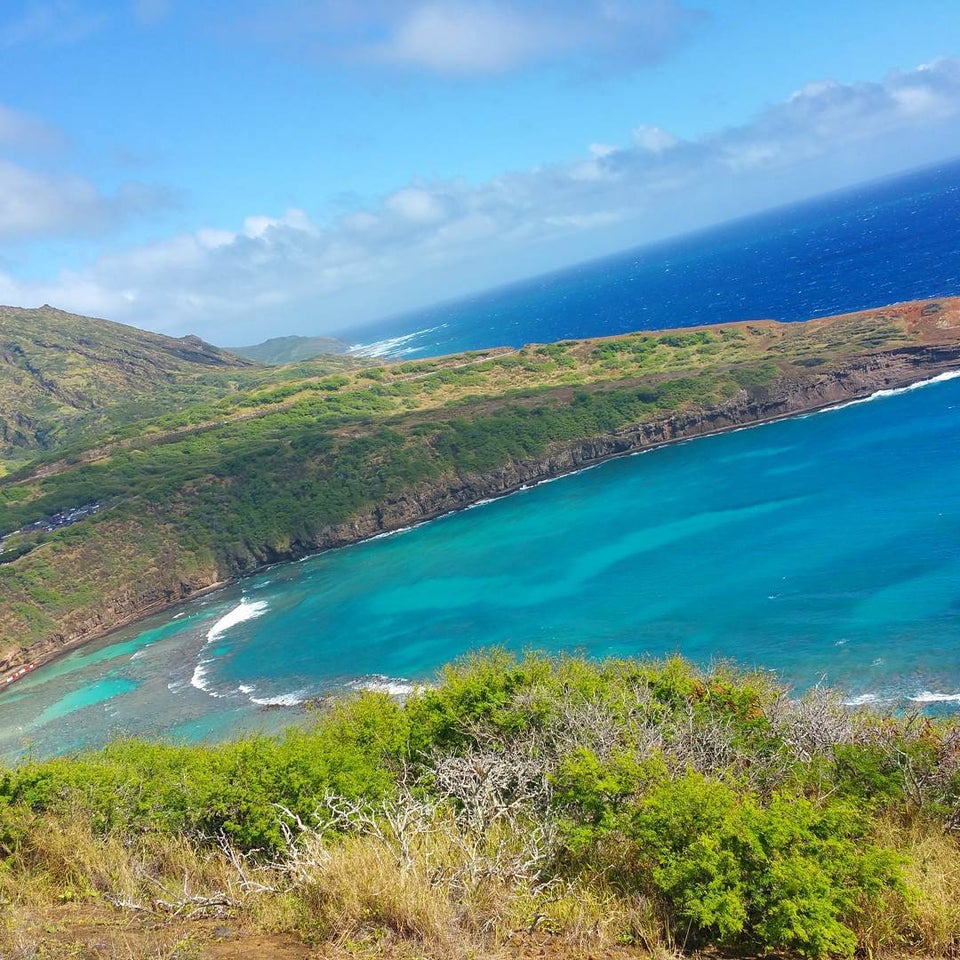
826	548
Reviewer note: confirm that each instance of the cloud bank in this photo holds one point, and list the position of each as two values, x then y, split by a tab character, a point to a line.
34	205
429	240
478	37
42	203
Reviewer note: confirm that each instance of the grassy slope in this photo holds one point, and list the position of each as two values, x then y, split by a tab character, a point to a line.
268	468
62	375
517	808
280	350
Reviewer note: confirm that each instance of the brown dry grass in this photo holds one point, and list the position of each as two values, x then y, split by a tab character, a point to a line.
926	916
68	893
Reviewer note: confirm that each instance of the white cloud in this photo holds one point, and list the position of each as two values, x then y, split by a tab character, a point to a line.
601	149
429	240
22	131
480	37
415	204
470	38
654	139
259	227
36	204
828	116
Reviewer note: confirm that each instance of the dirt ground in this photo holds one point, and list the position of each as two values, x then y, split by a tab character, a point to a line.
101	932
92	932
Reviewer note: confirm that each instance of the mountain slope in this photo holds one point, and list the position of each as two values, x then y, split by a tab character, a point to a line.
66	376
302	458
280	350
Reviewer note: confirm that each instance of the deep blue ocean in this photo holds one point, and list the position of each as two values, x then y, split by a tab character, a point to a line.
825	547
877	244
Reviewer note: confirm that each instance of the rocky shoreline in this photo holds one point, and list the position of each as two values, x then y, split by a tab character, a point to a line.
858	378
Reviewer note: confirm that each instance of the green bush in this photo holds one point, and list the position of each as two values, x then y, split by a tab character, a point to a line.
708	796
790	875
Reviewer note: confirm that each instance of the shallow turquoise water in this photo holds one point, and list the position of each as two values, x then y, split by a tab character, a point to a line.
826	548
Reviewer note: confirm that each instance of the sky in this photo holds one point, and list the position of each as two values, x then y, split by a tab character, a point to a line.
241	170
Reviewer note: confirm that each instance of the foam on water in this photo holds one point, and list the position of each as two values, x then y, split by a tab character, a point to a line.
282	700
861	700
244	611
388	533
895	391
377	683
871	700
392	347
241	613
926	696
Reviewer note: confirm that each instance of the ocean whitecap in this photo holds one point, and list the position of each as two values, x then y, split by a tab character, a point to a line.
927	696
282	700
245	610
378	683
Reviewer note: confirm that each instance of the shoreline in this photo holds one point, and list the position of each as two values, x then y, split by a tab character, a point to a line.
427	503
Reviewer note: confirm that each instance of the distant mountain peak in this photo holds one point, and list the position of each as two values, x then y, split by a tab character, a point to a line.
291	349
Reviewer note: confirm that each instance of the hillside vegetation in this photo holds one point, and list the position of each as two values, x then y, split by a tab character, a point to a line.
67	376
280	350
66	379
299	458
528	807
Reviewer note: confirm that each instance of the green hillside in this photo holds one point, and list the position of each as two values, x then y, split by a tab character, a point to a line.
65	377
282	462
66	381
280	350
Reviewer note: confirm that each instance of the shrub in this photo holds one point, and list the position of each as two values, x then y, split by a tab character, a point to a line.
791	875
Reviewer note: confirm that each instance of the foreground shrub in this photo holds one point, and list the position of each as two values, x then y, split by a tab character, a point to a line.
791	875
600	803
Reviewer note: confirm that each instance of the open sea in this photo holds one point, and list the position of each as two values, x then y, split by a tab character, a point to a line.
825	547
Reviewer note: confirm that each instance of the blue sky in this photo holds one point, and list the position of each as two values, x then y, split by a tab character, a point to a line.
245	169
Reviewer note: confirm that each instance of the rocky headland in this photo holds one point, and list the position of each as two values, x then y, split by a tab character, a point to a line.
929	335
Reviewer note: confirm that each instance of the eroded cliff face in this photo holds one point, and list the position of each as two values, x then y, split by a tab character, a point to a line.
126	606
804	391
786	397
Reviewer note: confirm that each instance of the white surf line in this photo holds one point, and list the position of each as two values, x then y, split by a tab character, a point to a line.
391	686
869	700
244	611
891	392
925	696
388	346
282	700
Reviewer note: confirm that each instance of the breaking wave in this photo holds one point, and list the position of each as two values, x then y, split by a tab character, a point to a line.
282	700
392	686
392	346
895	391
244	611
927	696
